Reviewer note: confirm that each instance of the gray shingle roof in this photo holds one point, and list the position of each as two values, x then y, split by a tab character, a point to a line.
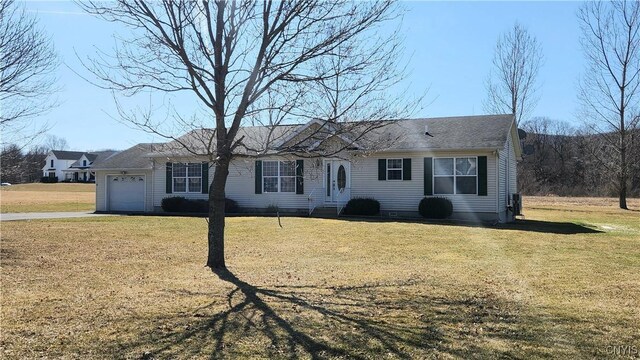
67	155
92	157
133	158
448	133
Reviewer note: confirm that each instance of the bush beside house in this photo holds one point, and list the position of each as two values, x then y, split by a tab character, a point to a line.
362	206
179	204
49	179
435	208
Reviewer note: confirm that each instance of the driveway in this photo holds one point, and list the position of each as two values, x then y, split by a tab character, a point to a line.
48	215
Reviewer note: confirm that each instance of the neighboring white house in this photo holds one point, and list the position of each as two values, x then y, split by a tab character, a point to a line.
72	165
470	160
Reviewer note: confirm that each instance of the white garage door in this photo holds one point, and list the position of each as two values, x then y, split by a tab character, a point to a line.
126	192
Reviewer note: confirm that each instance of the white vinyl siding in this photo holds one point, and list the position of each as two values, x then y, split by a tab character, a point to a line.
58	165
507	175
405	195
159	182
393	195
241	186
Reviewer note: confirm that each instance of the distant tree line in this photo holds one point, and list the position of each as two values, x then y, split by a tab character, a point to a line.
19	166
562	160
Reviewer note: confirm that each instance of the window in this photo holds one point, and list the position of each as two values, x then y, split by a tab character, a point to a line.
187	177
52	163
279	176
455	176
84	162
394	169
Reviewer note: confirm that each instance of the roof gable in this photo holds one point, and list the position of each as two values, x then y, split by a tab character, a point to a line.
67	155
133	158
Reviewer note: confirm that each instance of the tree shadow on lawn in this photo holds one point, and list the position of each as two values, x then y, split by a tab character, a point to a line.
357	322
549	227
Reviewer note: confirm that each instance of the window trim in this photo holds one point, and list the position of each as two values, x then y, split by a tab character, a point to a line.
454	175
279	176
186	178
395	169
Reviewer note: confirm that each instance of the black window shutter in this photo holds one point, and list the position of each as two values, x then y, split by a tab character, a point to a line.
428	176
382	169
169	178
205	178
299	176
482	175
258	177
406	169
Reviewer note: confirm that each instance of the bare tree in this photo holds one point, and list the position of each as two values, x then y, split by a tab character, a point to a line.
255	63
53	142
610	88
27	63
511	85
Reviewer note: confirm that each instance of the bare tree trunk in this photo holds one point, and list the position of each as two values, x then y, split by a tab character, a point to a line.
215	258
623	171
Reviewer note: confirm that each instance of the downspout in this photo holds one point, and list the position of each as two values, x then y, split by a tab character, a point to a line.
497	174
152	181
506	179
507	170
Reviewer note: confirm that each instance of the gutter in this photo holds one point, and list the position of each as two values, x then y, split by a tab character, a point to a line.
119	169
412	150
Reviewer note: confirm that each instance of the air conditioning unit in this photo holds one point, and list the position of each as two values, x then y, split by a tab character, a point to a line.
516	204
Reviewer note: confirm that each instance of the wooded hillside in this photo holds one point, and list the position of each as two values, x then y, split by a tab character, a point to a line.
559	160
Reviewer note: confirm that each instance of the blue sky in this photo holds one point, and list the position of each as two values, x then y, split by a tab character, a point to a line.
450	45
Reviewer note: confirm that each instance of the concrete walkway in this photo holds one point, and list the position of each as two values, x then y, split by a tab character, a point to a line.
48	215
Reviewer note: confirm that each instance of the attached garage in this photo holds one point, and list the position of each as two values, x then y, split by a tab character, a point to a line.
126	192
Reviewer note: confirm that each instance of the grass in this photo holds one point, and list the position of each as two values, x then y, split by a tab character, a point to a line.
47	197
563	284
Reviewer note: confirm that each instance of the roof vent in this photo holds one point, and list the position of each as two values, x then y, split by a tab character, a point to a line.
426	130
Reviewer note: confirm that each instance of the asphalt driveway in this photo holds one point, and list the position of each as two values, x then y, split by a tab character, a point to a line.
48	215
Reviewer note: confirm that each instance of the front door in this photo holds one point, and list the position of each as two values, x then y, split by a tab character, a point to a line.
337	179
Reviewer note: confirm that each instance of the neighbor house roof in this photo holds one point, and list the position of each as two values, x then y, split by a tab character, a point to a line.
67	155
447	133
132	158
92	157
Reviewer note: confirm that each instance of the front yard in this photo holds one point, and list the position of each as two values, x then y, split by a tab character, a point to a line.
563	284
38	197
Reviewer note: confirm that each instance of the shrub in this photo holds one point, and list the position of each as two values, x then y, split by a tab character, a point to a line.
435	208
172	204
195	206
49	180
180	204
362	206
230	206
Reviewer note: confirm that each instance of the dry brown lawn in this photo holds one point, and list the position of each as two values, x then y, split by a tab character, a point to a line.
578	203
47	197
562	284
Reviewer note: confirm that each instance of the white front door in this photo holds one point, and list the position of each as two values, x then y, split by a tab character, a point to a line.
337	179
